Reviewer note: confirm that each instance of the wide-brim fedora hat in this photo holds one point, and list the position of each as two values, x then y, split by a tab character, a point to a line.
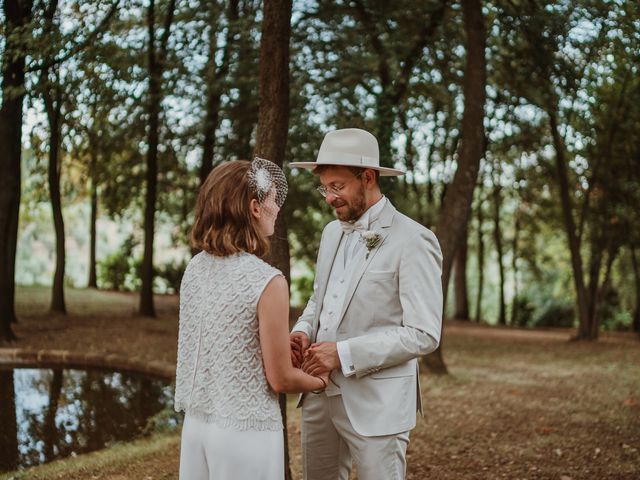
349	147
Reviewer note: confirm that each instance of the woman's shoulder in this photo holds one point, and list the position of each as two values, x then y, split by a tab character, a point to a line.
241	263
258	265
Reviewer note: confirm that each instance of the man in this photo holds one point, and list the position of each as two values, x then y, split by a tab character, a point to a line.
376	308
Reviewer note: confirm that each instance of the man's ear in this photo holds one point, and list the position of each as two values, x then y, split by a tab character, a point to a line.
254	208
369	176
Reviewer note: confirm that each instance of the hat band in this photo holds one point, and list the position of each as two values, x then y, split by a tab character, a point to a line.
349	159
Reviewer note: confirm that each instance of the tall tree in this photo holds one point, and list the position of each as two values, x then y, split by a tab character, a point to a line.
551	66
215	76
156	58
461	295
457	201
497	238
273	124
17	15
243	111
53	99
480	256
393	72
368	64
515	307
635	326
56	86
50	85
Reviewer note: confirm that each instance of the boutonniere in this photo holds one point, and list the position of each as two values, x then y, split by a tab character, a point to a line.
371	240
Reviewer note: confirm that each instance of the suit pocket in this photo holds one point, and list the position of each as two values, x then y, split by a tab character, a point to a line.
378	276
403	370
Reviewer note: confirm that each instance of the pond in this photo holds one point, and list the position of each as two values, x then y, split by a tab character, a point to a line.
49	414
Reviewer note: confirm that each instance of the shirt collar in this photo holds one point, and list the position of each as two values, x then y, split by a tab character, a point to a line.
371	215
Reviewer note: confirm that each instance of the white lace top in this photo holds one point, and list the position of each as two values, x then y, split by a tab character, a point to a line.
220	377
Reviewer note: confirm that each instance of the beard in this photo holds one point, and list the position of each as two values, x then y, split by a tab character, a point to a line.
353	209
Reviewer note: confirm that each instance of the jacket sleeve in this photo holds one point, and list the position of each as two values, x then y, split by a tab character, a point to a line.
420	292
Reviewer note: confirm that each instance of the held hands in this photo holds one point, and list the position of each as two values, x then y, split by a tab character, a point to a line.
318	359
321	358
299	344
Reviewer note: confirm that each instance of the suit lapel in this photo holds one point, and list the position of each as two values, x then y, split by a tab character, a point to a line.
324	270
360	265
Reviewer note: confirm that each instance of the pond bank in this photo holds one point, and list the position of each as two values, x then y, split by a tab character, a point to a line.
46	358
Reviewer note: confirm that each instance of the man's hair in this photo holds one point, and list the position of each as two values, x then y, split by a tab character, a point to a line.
357	171
223	222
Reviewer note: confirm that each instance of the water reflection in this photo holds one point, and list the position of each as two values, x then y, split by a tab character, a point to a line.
50	414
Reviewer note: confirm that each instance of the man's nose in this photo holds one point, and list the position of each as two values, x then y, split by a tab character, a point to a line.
330	197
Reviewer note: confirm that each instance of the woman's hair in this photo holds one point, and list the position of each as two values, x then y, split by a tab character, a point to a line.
224	224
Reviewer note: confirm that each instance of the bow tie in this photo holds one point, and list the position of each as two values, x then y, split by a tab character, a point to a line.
349	227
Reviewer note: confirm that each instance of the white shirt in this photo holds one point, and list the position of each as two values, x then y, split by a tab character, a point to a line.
339	277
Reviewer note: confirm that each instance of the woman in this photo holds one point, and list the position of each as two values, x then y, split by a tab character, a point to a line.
233	351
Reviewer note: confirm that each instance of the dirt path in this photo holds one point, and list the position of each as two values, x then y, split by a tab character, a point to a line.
517	403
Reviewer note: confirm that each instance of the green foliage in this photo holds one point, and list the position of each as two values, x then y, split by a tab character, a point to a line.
525	310
612	315
556	313
165	421
301	289
355	64
171	275
120	270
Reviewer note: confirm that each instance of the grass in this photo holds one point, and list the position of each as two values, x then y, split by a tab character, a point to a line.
517	404
144	458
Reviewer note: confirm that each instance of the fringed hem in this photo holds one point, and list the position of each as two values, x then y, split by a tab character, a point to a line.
232	423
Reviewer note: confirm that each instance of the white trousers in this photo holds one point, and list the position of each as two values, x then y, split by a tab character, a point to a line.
208	452
330	444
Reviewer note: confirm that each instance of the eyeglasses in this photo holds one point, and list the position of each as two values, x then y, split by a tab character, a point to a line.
335	189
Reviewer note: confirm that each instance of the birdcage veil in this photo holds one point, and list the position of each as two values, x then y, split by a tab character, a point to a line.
263	176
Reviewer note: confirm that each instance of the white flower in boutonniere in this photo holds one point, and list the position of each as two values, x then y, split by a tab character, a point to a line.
371	240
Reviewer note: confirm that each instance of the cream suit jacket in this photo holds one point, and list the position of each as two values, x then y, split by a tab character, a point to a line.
392	314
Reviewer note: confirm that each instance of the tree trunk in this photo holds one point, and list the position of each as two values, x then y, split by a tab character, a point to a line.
410	162
460	280
457	201
273	124
570	229
478	315
53	104
601	291
595	265
497	237
385	116
9	430
93	278
16	16
636	276
151	177
156	66
514	266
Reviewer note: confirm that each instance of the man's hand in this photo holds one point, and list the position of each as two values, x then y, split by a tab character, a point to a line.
321	358
299	344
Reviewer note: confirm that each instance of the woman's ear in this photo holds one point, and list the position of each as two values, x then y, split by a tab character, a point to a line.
254	207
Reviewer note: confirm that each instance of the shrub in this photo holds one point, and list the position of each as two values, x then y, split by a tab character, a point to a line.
524	311
556	314
121	270
172	274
